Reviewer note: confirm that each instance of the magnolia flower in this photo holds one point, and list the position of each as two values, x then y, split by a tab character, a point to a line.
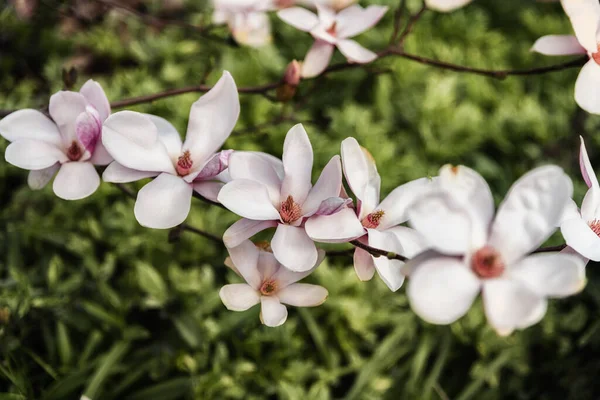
145	146
375	222
68	143
474	252
269	284
446	5
268	196
331	29
582	228
585	19
333	4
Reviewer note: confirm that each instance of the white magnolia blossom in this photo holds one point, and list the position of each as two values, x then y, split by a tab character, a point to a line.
581	228
446	5
475	252
146	146
585	19
330	30
69	143
375	223
268	283
333	4
267	195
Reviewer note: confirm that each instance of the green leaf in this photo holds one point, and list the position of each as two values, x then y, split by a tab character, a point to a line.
105	368
168	390
151	282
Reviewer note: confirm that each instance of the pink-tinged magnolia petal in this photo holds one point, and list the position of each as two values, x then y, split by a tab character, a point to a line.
64	109
76	180
275	162
285	277
33	154
558	45
272	312
267	265
30	124
38	179
326	14
317	59
251	28
88	129
245	259
94	94
571	211
587	171
336	228
530	212
396	205
509	304
361	174
363	265
581	238
354	20
116	173
245	229
133	140
298	17
163	203
590	204
214	166
239	296
333	205
293	248
328	185
212	119
209	189
551	274
168	135
101	155
253	166
441	289
303	295
570	251
412	242
248	199
297	163
446	5
587	87
390	271
584	16
354	52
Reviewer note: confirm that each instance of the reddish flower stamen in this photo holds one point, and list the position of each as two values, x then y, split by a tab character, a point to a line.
595	226
596	55
487	263
289	210
332	29
372	220
74	151
184	163
268	287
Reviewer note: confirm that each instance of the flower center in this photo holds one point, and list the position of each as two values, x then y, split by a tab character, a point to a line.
487	263
264	246
268	287
372	220
596	55
332	29
74	151
289	210
595	226
184	163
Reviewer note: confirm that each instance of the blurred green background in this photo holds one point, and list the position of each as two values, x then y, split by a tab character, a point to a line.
91	302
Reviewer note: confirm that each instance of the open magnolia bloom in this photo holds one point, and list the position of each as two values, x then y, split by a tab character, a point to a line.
330	30
268	283
69	143
267	196
473	251
581	228
446	5
375	222
585	19
145	146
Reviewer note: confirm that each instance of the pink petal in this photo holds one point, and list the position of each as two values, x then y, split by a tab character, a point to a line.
297	163
587	171
117	173
412	242
239	296
88	129
64	109
317	59
558	45
333	205
95	96
303	295
328	185
257	167
209	189
337	228
354	20
285	277
354	52
299	18
579	236
268	266
101	155
76	180
168	135
30	124
389	270
396	205
245	259
248	199
163	203
245	229
272	312
587	87
33	154
293	248
215	165
363	265
584	16
38	179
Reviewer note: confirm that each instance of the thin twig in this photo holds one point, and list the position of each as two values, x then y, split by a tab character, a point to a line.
411	24
202	233
130	193
550	249
207	201
378	252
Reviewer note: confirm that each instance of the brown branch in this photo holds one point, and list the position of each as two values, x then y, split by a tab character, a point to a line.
210	236
412	21
378	252
550	249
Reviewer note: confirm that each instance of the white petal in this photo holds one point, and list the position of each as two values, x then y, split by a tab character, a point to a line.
268	265
209	189
64	109
390	271
251	29
363	265
584	16
354	20
303	295
412	242
285	277
245	229
587	87
133	140
558	45
298	17
248	199
510	305
551	274
168	135
446	5
33	154
587	171
396	205
272	312
212	119
571	211
163	203
317	59
245	259
94	94
326	14
253	166
38	179
590	204
76	180
101	155
328	185
297	163
30	124
441	289
116	173
340	227
581	238
239	296
530	212
293	248
354	52
361	174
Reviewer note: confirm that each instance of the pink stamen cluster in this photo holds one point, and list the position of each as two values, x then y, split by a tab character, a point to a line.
74	151
373	220
487	263
595	226
290	211
184	163
268	287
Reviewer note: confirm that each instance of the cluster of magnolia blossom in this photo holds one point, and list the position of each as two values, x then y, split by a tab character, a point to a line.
455	246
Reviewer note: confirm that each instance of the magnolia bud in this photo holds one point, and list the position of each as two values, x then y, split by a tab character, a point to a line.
291	80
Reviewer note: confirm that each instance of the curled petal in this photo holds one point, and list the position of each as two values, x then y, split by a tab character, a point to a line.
88	128
38	179
587	171
95	96
272	312
217	164
333	205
